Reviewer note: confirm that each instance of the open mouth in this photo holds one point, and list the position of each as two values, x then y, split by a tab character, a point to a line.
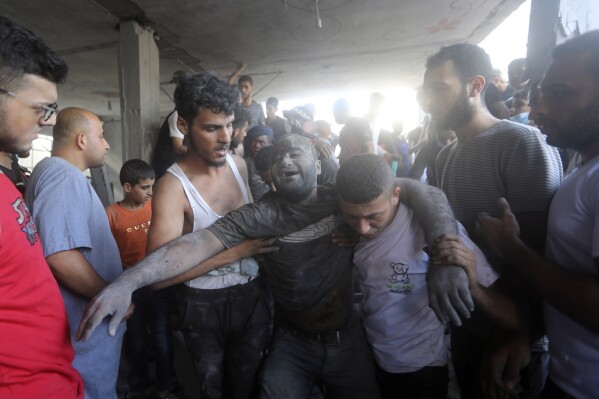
290	174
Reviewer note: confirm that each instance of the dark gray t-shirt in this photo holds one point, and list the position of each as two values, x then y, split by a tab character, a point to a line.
308	270
256	114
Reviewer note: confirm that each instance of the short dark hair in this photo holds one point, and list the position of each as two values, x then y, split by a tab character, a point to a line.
241	116
469	61
363	178
263	160
517	63
587	43
245	78
272	101
22	52
205	90
135	170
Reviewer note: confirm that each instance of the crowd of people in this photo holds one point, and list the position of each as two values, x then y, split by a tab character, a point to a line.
250	261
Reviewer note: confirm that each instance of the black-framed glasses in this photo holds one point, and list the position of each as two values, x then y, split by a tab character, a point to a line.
48	110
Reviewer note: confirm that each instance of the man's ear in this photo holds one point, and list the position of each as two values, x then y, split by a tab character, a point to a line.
182	125
477	84
318	168
395	195
235	133
127	187
81	141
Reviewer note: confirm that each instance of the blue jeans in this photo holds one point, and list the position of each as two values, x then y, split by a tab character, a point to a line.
152	312
340	361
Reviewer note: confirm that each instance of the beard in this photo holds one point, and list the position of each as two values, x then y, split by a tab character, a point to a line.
580	131
9	141
459	114
205	155
217	164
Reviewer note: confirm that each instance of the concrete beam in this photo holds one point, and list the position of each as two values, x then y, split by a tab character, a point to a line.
139	90
552	22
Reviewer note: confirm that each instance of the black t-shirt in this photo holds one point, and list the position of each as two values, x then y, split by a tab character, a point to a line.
164	154
278	127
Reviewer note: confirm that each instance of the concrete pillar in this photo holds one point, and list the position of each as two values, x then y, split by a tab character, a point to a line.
139	89
552	22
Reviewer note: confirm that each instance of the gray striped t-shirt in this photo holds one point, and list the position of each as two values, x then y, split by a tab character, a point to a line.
508	160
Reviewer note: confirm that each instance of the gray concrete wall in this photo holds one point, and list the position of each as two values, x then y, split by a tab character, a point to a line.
114	161
552	22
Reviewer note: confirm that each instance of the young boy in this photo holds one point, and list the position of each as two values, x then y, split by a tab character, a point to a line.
130	218
406	337
129	222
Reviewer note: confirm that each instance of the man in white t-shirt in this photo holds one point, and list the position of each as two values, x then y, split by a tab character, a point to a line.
568	278
406	336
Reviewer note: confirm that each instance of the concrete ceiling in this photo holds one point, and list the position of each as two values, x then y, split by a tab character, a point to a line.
362	44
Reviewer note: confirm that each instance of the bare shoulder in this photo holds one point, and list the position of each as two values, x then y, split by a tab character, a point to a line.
168	192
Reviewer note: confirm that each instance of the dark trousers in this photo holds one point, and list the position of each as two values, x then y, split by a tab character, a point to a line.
151	322
552	391
467	351
226	332
339	361
426	383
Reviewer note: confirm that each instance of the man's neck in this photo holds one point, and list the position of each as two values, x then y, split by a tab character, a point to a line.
5	160
193	164
589	151
71	158
248	101
480	122
310	199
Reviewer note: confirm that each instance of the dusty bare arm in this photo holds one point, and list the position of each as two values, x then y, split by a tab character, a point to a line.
504	310
166	262
448	292
245	249
430	207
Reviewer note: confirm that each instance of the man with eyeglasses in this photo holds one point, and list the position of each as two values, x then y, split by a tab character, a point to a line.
35	348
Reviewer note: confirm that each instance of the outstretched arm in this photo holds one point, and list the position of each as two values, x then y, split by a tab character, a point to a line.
242	250
168	261
448	292
232	79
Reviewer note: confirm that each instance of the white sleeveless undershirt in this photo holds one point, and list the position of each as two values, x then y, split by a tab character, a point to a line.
235	273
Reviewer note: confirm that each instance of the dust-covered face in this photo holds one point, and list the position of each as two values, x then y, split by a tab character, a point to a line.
294	167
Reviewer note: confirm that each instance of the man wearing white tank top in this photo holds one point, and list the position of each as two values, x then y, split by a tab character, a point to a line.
226	317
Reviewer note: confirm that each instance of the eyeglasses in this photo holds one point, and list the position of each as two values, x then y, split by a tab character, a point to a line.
48	110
